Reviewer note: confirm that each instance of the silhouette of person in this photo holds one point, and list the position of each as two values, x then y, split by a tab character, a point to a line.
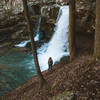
50	63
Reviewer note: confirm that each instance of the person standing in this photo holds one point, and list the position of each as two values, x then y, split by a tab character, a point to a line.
50	63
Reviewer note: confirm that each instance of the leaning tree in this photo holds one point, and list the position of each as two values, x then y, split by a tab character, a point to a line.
72	44
31	35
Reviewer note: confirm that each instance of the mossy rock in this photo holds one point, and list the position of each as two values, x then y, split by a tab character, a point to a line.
14	36
6	44
64	96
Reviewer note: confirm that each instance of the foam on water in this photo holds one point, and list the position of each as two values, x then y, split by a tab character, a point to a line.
22	44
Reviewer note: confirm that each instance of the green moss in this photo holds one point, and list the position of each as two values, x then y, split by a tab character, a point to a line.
65	95
54	84
5	44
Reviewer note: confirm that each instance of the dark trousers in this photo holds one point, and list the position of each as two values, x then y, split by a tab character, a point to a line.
50	66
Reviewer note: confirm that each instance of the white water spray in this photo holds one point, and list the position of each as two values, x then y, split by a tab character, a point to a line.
57	47
38	30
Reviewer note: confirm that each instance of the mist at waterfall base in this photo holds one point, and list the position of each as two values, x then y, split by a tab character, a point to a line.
18	67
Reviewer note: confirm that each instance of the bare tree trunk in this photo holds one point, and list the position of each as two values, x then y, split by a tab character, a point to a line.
72	44
42	80
97	31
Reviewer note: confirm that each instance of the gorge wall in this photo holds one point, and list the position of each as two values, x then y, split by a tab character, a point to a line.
15	28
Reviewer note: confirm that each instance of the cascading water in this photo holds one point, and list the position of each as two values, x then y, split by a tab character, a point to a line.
58	45
38	30
36	38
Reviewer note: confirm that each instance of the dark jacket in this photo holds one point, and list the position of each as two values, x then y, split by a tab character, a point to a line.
50	61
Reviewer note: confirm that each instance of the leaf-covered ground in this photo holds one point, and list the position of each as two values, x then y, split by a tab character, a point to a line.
80	78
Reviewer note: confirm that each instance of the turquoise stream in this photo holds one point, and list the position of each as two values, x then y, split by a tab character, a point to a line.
16	68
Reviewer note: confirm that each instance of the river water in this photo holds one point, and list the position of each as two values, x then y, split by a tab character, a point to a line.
15	69
18	67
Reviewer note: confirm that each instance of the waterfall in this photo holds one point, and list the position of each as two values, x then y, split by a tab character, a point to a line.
36	38
38	30
38	26
58	45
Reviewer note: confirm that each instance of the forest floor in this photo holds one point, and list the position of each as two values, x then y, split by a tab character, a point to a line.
77	80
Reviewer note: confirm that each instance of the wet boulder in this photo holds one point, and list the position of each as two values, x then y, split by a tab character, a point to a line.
50	11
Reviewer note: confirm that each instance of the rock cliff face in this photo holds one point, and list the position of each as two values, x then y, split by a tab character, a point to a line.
85	19
85	12
85	16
